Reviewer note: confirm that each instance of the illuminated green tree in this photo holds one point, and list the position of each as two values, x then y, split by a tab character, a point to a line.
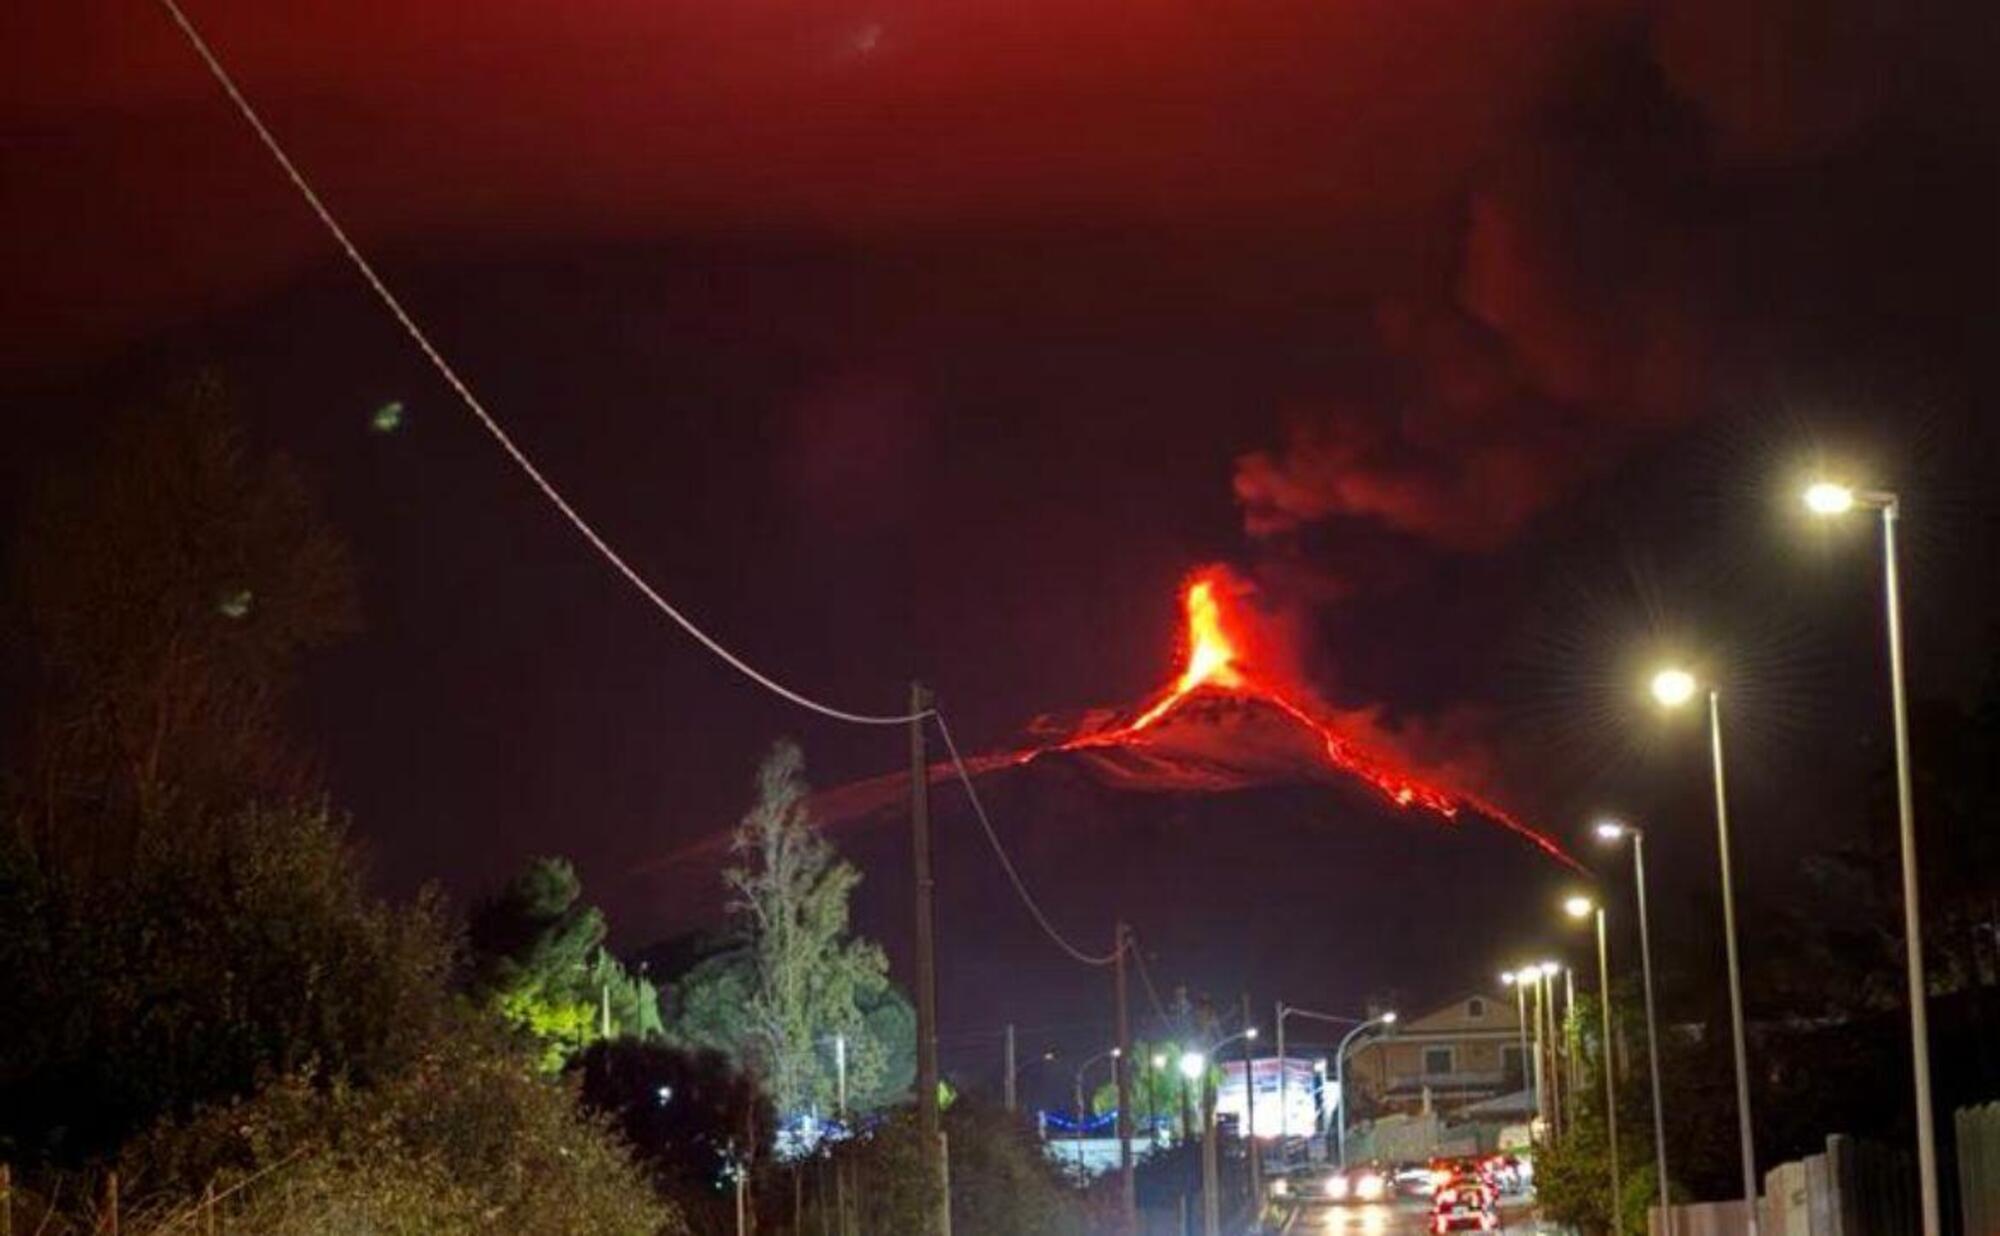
539	961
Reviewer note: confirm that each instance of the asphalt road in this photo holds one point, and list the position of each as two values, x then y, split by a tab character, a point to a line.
1396	1219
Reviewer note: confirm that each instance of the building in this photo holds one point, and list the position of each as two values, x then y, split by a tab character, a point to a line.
1467	1052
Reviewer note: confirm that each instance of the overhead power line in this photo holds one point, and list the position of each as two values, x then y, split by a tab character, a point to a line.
491	424
1007	864
485	418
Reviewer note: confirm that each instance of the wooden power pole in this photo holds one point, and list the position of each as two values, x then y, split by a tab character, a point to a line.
1121	1064
920	855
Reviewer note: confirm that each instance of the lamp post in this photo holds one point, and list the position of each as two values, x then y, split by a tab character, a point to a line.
1613	831
1014	1073
1548	971
1583	907
1512	978
1083	1112
1674	688
1340	1080
1828	499
1251	1164
1283	1011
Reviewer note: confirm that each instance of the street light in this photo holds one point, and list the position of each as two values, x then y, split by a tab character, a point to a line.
1828	499
1082	1113
1340	1078
1545	1008
1284	1074
1529	1072
1674	687
1579	908
1611	832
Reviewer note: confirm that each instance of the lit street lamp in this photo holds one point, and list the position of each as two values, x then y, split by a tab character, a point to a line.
1673	688
1082	1112
1340	1079
1829	499
1613	831
1284	1110
1580	907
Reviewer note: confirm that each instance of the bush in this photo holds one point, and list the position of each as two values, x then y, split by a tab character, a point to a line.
471	1139
1001	1183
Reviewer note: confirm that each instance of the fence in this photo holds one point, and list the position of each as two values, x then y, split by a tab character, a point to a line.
1978	1130
1851	1189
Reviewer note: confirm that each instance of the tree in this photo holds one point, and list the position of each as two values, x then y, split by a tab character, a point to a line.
809	979
168	585
244	950
538	959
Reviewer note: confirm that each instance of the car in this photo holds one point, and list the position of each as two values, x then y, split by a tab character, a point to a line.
1332	1186
1465	1203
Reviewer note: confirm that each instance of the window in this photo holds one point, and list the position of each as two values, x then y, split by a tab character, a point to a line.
1475	1007
1511	1062
1437	1061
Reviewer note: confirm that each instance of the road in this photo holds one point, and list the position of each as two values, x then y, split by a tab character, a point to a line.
1397	1219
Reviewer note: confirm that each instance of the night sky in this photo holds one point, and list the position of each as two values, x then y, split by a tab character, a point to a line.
945	339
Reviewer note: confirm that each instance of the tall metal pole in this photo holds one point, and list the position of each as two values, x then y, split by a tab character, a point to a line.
1121	1067
1541	1057
1211	1184
1251	1164
927	1043
1521	1020
1610	1079
1906	819
1652	1035
1340	1085
1007	1090
1552	1050
1570	1033
1745	1137
1284	1089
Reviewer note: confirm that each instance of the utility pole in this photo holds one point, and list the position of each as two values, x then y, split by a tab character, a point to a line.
1211	1185
1008	1064
920	855
1121	1068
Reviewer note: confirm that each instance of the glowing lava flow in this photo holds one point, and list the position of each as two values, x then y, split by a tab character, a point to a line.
1219	659
1229	720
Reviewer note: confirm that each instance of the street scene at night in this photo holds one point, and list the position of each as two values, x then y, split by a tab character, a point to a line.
1000	618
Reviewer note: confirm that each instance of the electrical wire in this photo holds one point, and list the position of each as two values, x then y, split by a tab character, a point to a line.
486	419
583	527
1007	864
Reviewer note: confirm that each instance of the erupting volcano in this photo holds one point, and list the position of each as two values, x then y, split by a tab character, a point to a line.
1234	717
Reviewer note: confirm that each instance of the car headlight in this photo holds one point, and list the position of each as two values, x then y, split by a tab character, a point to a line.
1369	1188
1336	1187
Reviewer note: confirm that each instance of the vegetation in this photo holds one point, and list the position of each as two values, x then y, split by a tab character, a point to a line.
1001	1182
538	959
201	994
803	978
